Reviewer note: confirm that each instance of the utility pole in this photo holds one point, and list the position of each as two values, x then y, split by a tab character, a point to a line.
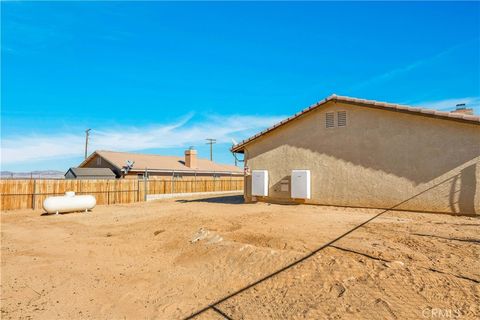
211	142
87	133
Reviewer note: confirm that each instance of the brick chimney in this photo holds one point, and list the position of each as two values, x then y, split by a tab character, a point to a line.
191	158
461	108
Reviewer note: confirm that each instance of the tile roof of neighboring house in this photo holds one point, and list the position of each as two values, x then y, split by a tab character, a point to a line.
160	163
370	104
82	172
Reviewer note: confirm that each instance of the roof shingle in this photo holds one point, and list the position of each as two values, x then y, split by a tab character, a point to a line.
159	162
99	172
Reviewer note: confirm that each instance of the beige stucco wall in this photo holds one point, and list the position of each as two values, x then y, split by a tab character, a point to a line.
381	159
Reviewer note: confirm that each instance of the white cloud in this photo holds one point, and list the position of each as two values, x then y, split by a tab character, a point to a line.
183	133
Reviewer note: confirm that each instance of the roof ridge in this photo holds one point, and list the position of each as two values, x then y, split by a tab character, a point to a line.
412	108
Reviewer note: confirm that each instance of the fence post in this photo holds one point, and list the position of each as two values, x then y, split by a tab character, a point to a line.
173	182
145	185
108	192
34	192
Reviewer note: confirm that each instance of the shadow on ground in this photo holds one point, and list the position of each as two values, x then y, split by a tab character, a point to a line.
237	199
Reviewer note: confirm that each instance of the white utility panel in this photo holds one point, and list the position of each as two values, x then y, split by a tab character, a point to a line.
301	184
260	183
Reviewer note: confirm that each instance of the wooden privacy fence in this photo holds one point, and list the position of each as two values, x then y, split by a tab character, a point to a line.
30	193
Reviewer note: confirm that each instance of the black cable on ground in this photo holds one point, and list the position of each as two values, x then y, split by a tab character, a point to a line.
221	313
212	305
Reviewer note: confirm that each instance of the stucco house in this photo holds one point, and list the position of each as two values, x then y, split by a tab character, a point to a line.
159	166
365	153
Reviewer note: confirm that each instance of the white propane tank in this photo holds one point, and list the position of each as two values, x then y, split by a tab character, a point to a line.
69	203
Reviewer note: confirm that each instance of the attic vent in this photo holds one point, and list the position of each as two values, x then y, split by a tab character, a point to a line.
329	120
342	118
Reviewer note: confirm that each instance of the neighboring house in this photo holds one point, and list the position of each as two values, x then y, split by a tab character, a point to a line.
158	166
89	173
364	153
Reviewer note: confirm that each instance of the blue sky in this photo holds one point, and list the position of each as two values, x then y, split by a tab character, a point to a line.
159	77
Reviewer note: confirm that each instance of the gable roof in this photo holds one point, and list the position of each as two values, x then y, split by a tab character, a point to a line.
369	104
98	172
153	162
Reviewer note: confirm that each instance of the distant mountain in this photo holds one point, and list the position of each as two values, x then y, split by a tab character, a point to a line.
34	174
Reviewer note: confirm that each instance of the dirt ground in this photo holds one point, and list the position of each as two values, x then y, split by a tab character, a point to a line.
171	258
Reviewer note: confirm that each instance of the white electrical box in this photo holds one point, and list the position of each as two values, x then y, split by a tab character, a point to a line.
260	183
301	184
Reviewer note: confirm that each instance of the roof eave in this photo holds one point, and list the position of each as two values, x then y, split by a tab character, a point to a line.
87	159
475	120
431	113
98	154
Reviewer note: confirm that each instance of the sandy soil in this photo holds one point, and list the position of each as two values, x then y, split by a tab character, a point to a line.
168	259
